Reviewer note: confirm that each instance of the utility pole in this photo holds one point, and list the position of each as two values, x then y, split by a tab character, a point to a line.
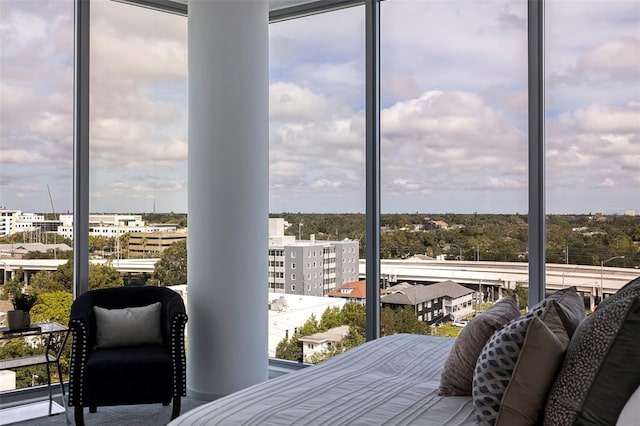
602	263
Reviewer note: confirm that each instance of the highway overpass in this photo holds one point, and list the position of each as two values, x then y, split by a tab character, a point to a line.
9	267
495	276
490	276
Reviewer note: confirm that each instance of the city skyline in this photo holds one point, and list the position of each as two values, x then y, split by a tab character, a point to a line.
453	118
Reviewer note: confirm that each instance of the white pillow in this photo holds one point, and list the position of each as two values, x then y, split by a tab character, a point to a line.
630	415
128	326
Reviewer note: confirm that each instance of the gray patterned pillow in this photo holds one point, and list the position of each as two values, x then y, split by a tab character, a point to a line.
630	288
601	369
496	364
561	312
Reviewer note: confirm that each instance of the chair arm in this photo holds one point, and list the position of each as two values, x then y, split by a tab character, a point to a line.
178	355
80	349
80	326
174	326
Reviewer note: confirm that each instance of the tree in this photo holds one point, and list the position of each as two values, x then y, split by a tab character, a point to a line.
289	348
99	243
331	318
13	285
124	244
310	327
103	276
52	307
402	320
64	275
171	269
100	276
354	316
45	282
25	376
144	241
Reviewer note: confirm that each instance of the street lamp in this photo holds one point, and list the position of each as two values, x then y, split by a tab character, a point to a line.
602	263
460	248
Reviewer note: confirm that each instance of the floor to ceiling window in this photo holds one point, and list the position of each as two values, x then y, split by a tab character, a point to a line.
592	72
36	162
453	147
316	176
36	106
138	137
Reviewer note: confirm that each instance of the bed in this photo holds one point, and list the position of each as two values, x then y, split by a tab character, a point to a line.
392	381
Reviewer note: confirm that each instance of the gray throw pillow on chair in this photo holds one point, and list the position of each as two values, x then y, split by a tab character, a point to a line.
128	326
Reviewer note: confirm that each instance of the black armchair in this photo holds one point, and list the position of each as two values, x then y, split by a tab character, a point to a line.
131	374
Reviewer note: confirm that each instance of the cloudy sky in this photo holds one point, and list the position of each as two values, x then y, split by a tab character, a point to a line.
454	118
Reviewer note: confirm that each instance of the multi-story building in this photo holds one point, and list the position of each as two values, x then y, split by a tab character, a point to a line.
7	220
14	221
153	243
432	303
107	225
310	267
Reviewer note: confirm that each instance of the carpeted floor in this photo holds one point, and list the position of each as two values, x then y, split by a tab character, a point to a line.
127	415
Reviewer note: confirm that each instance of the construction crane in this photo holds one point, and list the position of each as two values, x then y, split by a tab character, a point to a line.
53	210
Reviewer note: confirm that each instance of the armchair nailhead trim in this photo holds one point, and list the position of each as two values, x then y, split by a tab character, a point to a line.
78	348
178	354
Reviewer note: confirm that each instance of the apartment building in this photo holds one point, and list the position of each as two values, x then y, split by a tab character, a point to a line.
309	267
433	303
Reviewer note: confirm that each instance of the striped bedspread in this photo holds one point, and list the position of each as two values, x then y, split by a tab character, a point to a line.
390	381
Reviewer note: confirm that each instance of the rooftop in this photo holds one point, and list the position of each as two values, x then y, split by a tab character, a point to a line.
407	294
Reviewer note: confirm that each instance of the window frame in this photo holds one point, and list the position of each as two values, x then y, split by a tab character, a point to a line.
536	163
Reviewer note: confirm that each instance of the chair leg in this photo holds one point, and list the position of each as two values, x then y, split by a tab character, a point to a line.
93	408
176	407
78	416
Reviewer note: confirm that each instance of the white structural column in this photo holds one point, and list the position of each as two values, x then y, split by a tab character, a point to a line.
228	196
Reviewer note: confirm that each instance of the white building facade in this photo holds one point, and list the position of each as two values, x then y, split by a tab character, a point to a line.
108	225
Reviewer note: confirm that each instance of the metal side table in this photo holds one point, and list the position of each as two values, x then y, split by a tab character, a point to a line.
56	336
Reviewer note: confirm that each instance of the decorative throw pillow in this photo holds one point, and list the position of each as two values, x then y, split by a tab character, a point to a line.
551	321
573	310
542	352
128	326
601	369
632	287
457	374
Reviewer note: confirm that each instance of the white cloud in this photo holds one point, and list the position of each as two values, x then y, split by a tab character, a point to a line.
454	118
502	183
326	184
289	102
607	183
20	29
607	119
612	56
